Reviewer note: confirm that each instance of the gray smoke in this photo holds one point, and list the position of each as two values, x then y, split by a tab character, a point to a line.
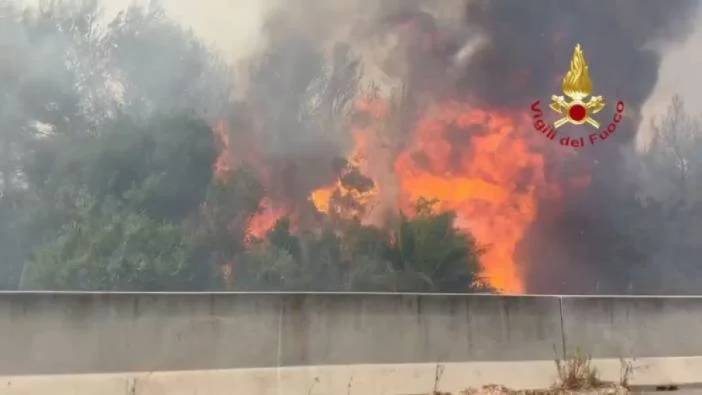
501	54
593	241
290	117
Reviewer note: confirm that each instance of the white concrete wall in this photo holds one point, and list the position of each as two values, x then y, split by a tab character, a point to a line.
613	327
376	379
68	343
94	333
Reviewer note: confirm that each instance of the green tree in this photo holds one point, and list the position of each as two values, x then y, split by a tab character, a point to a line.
666	228
266	267
427	253
97	195
106	247
162	165
219	229
161	66
430	254
311	261
87	113
14	210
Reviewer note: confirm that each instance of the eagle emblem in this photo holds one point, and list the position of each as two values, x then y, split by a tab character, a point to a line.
577	85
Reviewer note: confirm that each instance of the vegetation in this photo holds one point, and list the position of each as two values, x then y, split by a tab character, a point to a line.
106	169
425	253
107	151
576	373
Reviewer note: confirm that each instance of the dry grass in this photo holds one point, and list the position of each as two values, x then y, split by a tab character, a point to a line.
577	373
576	376
609	389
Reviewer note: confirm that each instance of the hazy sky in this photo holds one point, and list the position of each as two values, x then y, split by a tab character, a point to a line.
233	27
679	74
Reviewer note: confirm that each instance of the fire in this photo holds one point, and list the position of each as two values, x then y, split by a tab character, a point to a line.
352	193
225	162
264	220
344	201
470	160
321	198
473	162
373	106
269	213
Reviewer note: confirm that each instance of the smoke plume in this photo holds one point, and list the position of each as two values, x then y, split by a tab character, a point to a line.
358	109
497	56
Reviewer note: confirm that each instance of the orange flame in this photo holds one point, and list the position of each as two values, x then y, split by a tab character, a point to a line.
473	162
269	214
321	198
264	220
225	161
363	132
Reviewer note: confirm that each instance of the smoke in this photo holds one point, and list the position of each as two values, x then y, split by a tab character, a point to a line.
590	241
530	43
498	55
291	106
504	55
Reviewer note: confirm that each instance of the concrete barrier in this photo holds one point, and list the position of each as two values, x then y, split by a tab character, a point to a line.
373	379
317	343
51	333
633	327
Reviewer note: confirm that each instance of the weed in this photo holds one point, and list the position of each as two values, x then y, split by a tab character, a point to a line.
625	370
577	373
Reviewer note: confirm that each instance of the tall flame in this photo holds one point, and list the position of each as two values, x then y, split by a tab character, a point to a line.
359	199
269	213
224	163
474	163
265	219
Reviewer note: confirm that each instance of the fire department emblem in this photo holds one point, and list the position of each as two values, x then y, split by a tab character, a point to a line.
577	86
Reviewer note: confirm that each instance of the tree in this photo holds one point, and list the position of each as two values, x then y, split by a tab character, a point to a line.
219	229
672	181
112	208
430	254
14	209
284	261
672	155
160	66
427	253
109	248
106	162
105	113
161	165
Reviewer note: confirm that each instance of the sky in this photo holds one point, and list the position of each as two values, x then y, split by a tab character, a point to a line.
230	26
233	28
679	74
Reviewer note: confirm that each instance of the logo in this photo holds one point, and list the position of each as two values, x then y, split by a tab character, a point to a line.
577	85
576	109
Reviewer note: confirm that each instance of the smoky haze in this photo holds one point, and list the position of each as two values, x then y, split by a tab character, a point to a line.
283	104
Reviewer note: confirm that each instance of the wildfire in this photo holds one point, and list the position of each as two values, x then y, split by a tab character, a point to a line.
269	213
472	162
343	200
225	162
264	220
353	192
321	198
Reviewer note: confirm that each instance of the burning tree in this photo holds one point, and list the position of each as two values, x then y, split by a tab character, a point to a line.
309	178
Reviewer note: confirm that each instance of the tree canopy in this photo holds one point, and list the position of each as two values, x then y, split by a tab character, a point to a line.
107	151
